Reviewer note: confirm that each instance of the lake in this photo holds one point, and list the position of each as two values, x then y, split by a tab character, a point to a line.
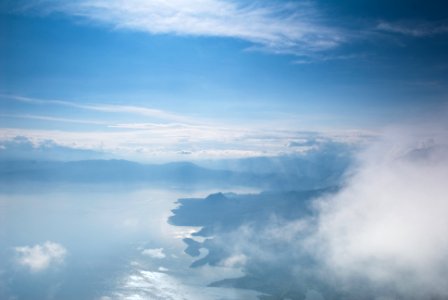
101	242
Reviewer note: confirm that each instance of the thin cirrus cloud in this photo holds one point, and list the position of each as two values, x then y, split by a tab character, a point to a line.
285	28
108	108
53	119
414	29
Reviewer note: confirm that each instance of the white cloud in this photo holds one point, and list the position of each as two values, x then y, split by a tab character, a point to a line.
388	225
54	119
381	236
278	27
40	257
154	253
415	29
169	142
237	260
110	108
169	136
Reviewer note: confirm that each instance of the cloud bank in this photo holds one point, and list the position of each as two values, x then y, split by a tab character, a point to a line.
167	136
38	258
168	142
387	227
381	235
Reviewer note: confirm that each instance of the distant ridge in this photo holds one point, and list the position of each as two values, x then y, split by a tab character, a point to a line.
184	174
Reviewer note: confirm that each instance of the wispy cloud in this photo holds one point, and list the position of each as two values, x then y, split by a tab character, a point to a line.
138	110
112	108
318	57
53	119
415	29
278	27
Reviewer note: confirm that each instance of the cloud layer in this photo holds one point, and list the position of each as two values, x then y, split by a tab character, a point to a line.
150	133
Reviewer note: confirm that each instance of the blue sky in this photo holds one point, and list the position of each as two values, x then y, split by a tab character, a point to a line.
214	78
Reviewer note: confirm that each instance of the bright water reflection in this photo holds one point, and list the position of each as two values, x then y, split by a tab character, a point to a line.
113	243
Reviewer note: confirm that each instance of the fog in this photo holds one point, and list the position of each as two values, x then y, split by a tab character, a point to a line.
381	234
387	226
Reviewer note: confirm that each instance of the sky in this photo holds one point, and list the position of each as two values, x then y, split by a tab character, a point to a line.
184	80
213	81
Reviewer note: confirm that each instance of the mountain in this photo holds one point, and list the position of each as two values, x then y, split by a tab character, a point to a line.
294	173
103	171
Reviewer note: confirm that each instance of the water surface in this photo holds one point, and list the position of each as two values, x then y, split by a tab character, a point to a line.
115	240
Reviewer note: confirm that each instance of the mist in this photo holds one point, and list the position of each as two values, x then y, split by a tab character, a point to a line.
379	234
387	227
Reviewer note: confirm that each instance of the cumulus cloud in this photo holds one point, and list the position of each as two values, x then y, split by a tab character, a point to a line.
380	235
154	253
278	27
41	256
388	225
